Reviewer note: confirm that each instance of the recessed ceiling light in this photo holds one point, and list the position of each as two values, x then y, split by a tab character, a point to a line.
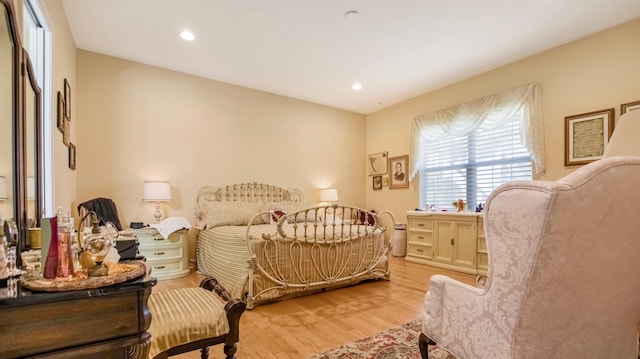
351	15
356	86
187	35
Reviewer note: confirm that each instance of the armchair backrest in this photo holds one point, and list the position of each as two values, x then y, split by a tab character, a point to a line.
564	261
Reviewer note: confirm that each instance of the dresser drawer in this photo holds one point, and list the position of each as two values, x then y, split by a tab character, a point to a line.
421	237
420	250
420	223
155	253
157	240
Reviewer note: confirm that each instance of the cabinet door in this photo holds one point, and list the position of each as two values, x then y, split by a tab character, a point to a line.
443	251
464	244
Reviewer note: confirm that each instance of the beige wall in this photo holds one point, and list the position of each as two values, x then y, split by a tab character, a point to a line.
136	122
133	122
594	73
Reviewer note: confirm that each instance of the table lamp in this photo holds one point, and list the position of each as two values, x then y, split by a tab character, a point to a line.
157	191
329	195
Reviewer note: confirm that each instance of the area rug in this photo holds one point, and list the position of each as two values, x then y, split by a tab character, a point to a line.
396	343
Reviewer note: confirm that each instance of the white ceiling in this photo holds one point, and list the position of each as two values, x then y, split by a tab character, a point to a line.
306	49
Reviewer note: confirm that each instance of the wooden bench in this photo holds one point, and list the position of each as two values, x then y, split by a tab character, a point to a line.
187	319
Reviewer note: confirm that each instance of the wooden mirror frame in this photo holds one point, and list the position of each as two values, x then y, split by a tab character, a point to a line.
18	130
31	88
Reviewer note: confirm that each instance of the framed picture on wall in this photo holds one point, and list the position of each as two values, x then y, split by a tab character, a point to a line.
67	100
631	106
377	164
399	171
377	182
60	118
72	156
586	136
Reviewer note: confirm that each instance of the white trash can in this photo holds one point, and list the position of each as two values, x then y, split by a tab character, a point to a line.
400	240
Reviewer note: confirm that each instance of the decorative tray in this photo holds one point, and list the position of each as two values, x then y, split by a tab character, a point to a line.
118	273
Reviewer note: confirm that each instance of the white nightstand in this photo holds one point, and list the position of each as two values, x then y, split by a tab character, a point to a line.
168	258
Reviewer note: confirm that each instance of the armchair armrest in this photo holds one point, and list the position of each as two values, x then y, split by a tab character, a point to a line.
443	297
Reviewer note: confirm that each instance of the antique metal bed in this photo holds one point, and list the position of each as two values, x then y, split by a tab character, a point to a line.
263	243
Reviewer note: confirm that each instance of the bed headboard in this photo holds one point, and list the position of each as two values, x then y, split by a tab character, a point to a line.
245	192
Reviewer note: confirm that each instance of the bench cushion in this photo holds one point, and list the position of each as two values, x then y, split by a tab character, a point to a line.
184	315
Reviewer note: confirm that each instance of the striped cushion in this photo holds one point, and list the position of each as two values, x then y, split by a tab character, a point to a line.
184	315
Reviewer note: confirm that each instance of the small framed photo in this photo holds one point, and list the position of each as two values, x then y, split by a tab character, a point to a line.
60	118
377	182
631	106
586	136
72	156
385	181
399	168
377	164
67	100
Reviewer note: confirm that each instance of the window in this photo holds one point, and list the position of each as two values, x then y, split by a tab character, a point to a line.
37	41
470	167
466	151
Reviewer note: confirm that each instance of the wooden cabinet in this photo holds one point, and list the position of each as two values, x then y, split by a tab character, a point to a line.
446	240
105	322
167	257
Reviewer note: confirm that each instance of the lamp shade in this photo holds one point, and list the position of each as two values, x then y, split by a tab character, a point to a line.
3	188
328	195
156	191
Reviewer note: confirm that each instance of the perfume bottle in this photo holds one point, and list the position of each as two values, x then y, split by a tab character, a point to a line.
65	246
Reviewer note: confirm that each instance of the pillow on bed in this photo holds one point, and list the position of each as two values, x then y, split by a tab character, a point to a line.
275	215
270	207
228	213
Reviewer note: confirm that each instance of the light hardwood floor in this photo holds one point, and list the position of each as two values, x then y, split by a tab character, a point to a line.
300	327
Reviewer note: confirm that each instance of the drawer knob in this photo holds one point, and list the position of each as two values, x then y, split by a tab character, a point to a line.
158	267
158	239
420	250
158	253
420	224
452	241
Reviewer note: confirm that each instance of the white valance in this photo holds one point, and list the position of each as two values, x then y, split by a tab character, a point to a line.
487	112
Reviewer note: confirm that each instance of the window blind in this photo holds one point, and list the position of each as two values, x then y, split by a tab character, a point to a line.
470	166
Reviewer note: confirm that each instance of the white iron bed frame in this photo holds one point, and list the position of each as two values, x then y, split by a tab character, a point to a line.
308	250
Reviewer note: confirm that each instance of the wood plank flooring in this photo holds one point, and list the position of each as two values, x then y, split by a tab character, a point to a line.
300	327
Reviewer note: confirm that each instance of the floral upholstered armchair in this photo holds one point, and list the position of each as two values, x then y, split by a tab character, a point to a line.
564	267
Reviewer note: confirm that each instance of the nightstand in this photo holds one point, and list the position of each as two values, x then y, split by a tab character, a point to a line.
167	257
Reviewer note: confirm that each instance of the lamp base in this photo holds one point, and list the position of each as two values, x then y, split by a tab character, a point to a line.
157	215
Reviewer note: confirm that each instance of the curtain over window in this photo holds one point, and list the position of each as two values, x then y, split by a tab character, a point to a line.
467	150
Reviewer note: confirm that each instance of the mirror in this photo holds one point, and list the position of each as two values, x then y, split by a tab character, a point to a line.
8	114
33	136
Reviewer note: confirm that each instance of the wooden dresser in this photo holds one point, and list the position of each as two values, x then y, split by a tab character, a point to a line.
107	322
449	240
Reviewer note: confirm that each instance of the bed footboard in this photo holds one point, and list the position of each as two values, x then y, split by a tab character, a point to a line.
317	248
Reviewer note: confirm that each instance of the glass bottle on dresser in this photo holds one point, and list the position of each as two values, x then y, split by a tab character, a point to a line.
65	246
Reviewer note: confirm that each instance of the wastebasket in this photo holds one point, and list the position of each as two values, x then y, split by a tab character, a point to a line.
400	240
